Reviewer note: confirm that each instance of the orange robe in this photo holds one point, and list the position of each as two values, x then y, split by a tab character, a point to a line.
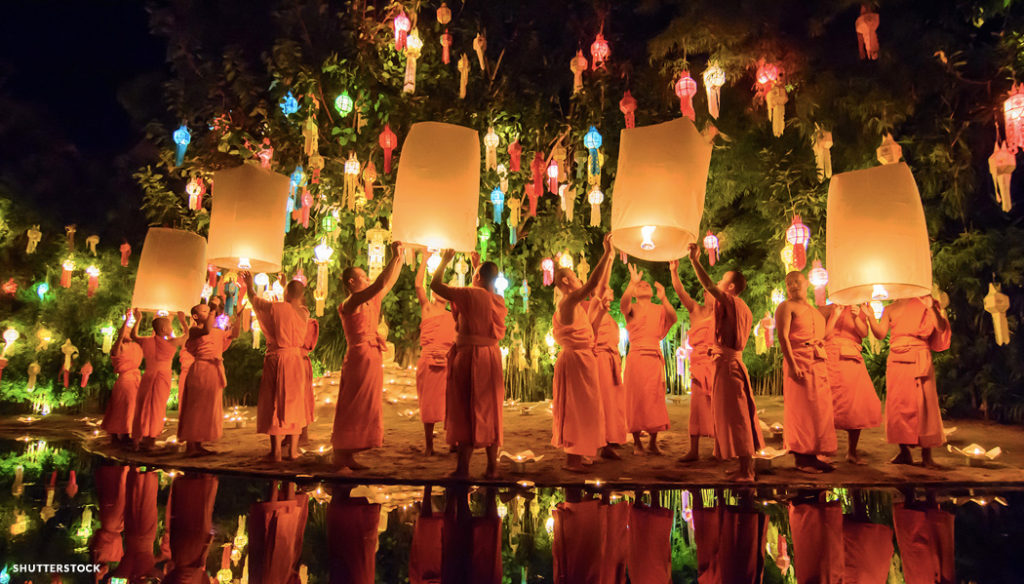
106	545
281	407
358	415
312	336
912	402
925	538
120	412
609	378
868	549
706	536
817	542
425	553
578	542
191	527
576	406
702	373
808	423
471	550
201	415
741	546
352	540
616	543
646	410
185	361
650	544
854	399
737	428
154	388
437	336
475	391
140	523
276	529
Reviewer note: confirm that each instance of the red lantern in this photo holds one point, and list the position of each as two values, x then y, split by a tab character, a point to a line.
799	236
86	371
515	153
126	252
67	267
711	246
94	280
195	189
599	52
446	43
402	28
548	267
537	176
686	88
628	107
10	287
818	276
767	75
307	203
388	142
768	328
1013	117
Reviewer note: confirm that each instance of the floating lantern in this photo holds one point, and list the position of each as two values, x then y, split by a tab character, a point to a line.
498	201
388	142
818	277
714	79
94	280
686	88
344	104
599	51
876	236
247	218
438	186
976	455
578	65
547	266
661	182
172	270
289	105
1013	117
413	48
798	235
402	27
181	137
1001	165
10	337
996	304
711	247
627	105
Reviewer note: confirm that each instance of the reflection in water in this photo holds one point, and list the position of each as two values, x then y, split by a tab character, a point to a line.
150	525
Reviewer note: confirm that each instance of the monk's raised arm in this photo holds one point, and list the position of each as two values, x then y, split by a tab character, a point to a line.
702	275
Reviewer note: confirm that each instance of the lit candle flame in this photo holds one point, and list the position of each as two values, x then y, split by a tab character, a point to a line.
647	232
878	292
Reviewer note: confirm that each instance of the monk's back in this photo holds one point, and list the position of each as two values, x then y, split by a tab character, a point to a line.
289	325
702	327
129	357
481	313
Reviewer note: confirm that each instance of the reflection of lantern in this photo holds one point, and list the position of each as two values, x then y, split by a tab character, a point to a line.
798	235
996	304
547	265
599	51
627	105
818	277
94	280
578	65
67	268
438	187
172	270
595	197
344	104
876	235
1013	117
661	181
402	27
711	247
247	219
714	79
388	142
686	88
867	37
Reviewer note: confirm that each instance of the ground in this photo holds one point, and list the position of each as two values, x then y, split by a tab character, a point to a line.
401	459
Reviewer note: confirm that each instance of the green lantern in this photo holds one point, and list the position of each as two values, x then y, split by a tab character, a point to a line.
328	223
344	104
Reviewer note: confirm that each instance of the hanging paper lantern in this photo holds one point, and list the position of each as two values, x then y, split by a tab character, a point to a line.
67	268
514	204
818	277
369	177
351	180
388	142
552	174
1001	165
498	200
595	197
577	65
661	182
889	152
767	76
444	14
463	67
310	136
182	137
592	141
10	287
565	260
94	280
344	104
491	148
714	79
195	188
599	51
799	236
776	100
247	220
413	48
485	237
265	154
535	189
996	304
322	254
778	297
501	284
10	337
547	266
711	247
376	245
567	194
524	293
402	27
768	327
627	105
480	46
42	290
515	152
686	88
867	36
289	105
108	338
503	177
438	188
446	44
786	255
823	152
876	236
172	270
1013	118
461	269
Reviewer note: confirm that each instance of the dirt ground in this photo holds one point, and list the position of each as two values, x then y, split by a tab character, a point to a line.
528	427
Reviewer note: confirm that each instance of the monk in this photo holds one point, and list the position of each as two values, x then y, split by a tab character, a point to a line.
577	424
476	385
609	366
281	406
867	546
106	545
737	429
437	337
647	324
358	421
702	368
276	529
741	532
577	544
817	539
918	327
185	361
126	356
925	536
158	351
614	558
471	545
140	524
312	338
201	417
351	537
808	426
425	552
191	527
650	541
854	400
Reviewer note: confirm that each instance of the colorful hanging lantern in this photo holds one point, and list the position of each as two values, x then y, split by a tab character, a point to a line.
388	142
94	280
592	140
565	260
786	255
889	152
491	149
778	297
768	325
1013	118
1001	165
485	237
822	146
413	48
322	254
867	35
351	180
10	287
67	268
195	188
767	76
501	284
524	293
376	246
328	223
344	104
776	100
265	154
595	197
402	27
108	338
515	153
818	277
552	174
463	67
547	266
535	189
996	304
480	46
567	193
686	88
498	200
289	105
42	290
444	14
369	177
627	105
578	65
503	177
514	204
182	137
446	44
599	51
711	247
714	79
799	236
10	337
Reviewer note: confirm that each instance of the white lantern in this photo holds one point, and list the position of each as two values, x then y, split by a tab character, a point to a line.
172	271
247	220
437	188
876	238
659	190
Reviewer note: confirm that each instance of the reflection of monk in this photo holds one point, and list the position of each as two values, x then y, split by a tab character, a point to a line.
577	546
650	541
106	545
817	540
140	523
427	544
276	528
472	545
925	537
616	541
191	527
351	538
867	546
730	541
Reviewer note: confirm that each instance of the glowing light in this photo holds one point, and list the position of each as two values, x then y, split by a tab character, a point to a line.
500	284
289	105
878	292
344	104
262	280
323	252
244	264
595	196
647	232
433	261
10	336
549	340
778	296
42	290
549	525
565	260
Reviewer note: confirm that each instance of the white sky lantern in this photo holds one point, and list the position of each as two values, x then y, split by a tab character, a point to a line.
172	271
876	237
437	188
248	218
659	190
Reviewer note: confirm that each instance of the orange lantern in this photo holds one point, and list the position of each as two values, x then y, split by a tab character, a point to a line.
172	270
628	108
248	217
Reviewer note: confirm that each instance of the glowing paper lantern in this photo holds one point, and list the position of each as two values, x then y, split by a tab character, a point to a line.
686	88
10	337
578	65
547	266
94	280
480	47
413	47
714	79
67	267
463	67
593	141
867	36
402	27
778	297
767	75
322	256
818	277
181	137
776	100
627	105
996	304
877	239
498	201
289	105
1013	117
108	338
711	247
42	290
438	187
248	218
351	180
595	197
491	149
1001	165
195	188
661	181
446	43
344	104
388	142
501	284
599	51
172	271
798	235
822	145
515	153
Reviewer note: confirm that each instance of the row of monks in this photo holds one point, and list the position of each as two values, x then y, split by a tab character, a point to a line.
460	377
593	539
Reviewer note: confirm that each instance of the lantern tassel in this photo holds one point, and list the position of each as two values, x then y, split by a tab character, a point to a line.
595	215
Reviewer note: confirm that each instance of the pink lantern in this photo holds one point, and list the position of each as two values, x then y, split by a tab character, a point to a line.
388	142
599	51
628	107
767	75
536	188
799	235
686	88
446	43
547	265
402	28
711	246
553	176
818	276
1013	117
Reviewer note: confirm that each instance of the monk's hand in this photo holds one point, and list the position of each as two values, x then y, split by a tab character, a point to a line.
660	290
694	253
447	255
474	258
854	310
136	314
607	243
674	266
635	275
396	247
797	372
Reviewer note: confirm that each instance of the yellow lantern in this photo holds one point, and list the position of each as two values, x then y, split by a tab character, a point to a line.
996	304
247	220
376	245
172	271
659	189
876	237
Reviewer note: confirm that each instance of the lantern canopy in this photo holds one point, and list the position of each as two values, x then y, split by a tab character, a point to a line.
247	221
876	238
172	271
438	188
661	181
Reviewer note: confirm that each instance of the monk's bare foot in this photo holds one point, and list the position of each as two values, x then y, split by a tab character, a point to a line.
825	458
428	452
855	459
206	450
931	464
292	457
902	458
609	454
459	473
576	467
823	466
653	449
691	456
272	457
357	466
587	461
808	468
492	473
638	450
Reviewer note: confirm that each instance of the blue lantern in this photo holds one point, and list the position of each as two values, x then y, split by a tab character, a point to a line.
592	140
525	293
289	105
42	290
298	178
182	137
498	200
